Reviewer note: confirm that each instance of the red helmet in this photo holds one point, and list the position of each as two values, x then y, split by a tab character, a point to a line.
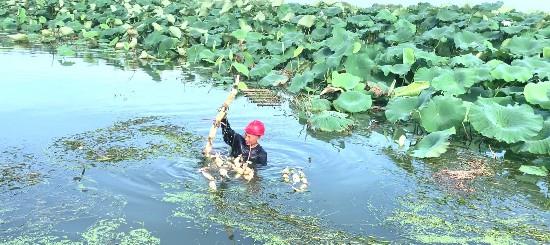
255	128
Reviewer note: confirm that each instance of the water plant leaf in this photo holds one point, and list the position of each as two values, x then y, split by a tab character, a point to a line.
539	66
274	78
300	81
510	73
175	31
404	31
330	121
470	40
307	21
319	105
400	108
534	170
412	89
65	50
408	56
467	60
455	81
399	69
243	69
510	124
539	144
359	64
442	112
353	101
434	144
523	46
546	52
538	94
346	81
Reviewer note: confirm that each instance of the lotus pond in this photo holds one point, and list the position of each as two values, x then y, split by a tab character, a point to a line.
413	125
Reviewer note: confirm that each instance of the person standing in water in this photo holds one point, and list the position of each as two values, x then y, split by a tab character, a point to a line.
248	145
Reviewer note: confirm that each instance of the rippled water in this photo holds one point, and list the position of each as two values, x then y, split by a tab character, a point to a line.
361	186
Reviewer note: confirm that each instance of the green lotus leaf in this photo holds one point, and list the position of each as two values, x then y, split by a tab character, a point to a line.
65	50
427	74
385	15
274	78
439	33
434	144
546	52
404	31
319	105
412	89
538	94
534	170
523	46
442	112
307	21
399	69
175	31
400	108
510	73
539	66
455	81
263	67
539	144
360	64
353	101
330	121
511	123
300	81
346	81
447	15
361	20
470	40
243	69
408	56
467	60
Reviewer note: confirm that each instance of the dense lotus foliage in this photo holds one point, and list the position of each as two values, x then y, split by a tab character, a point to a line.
448	69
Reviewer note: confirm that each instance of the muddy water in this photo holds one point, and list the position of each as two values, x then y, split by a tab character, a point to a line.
100	150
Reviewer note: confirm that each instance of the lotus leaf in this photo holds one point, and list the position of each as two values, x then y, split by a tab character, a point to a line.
300	81
447	15
330	121
534	170
427	74
361	20
470	40
346	81
400	108
319	105
439	33
539	66
175	31
240	68
353	101
399	69
442	112
546	52
467	60
434	144
404	31
510	73
538	94
455	81
385	15
511	123
539	144
307	21
274	78
65	50
412	89
263	67
408	56
359	64
523	46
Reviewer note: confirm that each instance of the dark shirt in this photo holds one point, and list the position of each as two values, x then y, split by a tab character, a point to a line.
256	155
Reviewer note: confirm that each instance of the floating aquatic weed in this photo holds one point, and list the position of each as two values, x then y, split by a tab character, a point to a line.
296	178
132	140
256	218
19	170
